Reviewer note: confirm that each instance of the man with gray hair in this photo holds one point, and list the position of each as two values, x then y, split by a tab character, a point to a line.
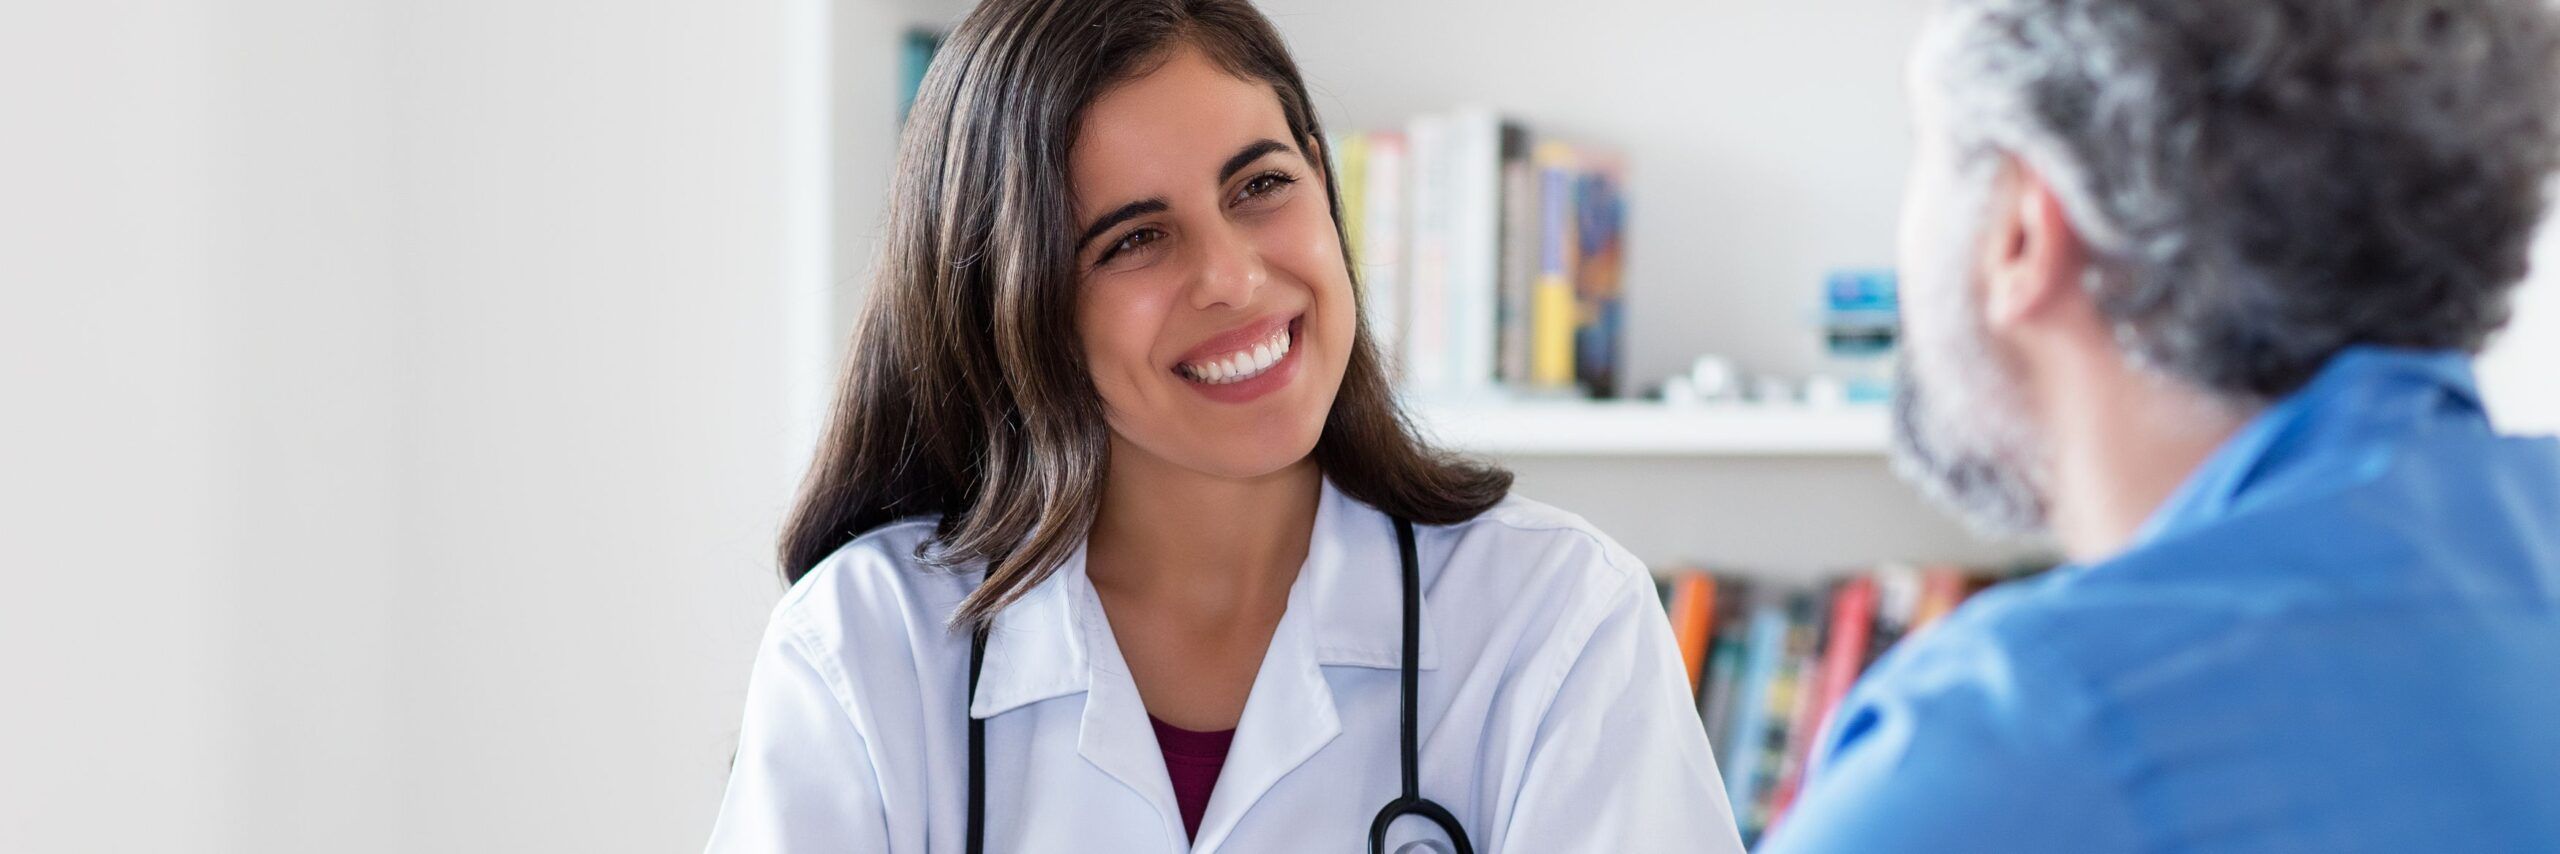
2193	286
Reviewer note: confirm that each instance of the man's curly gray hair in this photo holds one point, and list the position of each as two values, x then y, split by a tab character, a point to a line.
2266	182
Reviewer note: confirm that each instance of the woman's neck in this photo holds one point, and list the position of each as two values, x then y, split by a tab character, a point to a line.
1212	546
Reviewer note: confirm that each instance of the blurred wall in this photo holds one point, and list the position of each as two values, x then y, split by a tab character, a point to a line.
400	400
602	288
2520	376
111	465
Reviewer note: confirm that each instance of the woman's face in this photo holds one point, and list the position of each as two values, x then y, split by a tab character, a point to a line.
1216	312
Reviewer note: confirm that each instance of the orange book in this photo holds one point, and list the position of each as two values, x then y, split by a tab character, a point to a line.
1941	589
1693	617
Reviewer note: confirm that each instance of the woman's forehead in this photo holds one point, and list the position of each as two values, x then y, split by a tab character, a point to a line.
1172	126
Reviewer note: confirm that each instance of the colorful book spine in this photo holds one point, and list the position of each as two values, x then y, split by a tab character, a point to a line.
1693	611
1844	651
1941	587
1781	661
1810	634
1383	245
1742	753
1348	157
1474	238
1599	276
1427	248
1898	589
1521	264
1725	658
1552	307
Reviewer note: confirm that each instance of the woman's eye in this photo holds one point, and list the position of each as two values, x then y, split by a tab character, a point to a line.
1133	241
1263	185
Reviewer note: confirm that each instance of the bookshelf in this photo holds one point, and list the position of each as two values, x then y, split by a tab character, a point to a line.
1636	428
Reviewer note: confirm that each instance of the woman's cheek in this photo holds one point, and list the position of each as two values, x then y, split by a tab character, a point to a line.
1120	326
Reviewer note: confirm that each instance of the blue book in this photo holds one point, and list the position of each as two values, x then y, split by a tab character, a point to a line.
1743	752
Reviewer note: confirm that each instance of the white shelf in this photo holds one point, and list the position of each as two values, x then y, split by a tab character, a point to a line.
1644	428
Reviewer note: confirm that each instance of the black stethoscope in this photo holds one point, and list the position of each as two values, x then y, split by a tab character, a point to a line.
1411	803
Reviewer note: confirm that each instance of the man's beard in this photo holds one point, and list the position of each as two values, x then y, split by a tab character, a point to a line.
1960	426
1962	463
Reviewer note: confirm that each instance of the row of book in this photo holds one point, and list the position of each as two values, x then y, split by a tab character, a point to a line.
1491	258
1769	663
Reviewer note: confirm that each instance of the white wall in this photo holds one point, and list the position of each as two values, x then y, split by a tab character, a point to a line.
110	480
599	430
2520	376
400	400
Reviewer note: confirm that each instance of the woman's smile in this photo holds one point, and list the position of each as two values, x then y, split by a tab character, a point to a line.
1244	363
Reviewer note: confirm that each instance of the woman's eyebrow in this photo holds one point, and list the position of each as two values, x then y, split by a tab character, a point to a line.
1244	157
1125	213
1252	151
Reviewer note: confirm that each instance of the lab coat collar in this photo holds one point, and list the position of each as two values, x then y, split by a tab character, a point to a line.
1344	610
2362	400
1350	590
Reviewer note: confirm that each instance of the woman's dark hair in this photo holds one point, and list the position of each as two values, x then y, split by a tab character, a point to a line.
966	394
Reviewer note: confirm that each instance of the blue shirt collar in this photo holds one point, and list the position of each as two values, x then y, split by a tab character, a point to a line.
2339	427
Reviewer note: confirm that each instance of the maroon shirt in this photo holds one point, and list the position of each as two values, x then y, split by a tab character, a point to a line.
1193	760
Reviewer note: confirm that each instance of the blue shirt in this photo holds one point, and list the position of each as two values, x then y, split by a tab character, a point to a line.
2342	634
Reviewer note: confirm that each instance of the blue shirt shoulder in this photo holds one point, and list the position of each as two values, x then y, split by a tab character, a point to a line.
2353	646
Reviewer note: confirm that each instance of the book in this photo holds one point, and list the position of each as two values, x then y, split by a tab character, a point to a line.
1383	249
1898	589
1725	657
1428	237
1599	272
1348	158
1794	705
1743	752
1692	610
1843	654
1473	289
1490	258
1552	309
1941	587
1780	661
1522	234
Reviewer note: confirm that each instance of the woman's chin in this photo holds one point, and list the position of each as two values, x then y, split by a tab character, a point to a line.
1248	456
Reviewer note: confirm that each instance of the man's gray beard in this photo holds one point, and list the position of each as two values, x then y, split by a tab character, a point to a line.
1978	462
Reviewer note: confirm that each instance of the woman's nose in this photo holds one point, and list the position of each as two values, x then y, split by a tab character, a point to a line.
1231	270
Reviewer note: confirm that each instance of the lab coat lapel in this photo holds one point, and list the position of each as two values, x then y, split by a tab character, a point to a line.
1055	642
1289	716
1035	649
1115	735
1345	609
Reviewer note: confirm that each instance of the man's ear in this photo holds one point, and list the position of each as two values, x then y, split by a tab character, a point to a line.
2033	256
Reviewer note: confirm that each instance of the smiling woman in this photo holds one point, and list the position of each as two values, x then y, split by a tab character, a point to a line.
1118	540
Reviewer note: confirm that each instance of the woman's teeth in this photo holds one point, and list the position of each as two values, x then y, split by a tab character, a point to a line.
1240	365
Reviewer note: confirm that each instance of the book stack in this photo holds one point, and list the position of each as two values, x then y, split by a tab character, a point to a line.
1770	663
1489	259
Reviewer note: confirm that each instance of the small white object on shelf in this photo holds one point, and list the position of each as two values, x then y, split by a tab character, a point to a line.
1651	428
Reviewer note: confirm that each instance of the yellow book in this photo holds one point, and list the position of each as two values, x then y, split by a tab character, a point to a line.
1552	307
1351	175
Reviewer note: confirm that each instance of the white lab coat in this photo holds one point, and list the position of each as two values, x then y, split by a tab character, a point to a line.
1554	715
